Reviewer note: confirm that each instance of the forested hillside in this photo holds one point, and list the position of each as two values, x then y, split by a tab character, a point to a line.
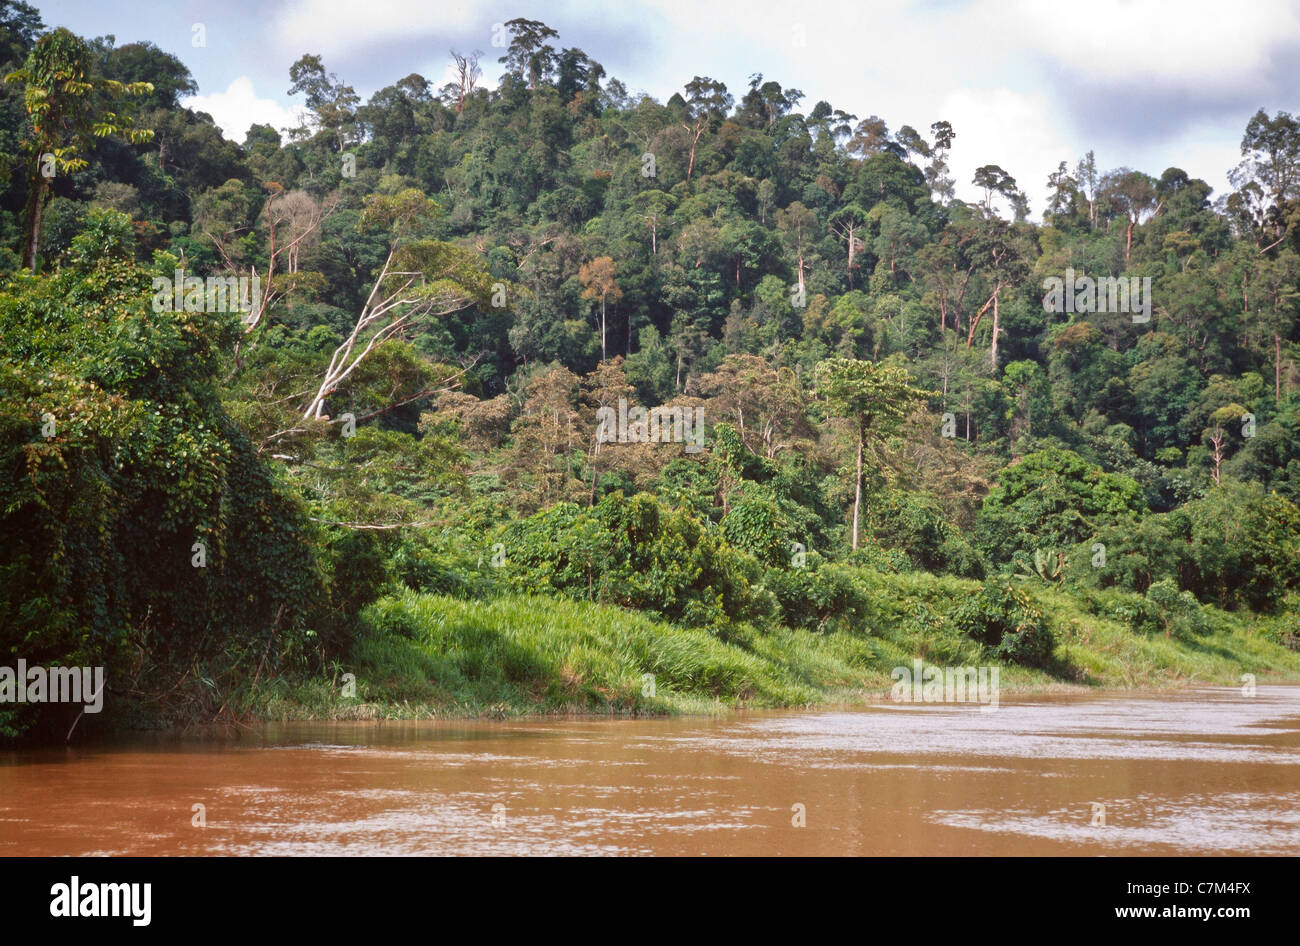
421	416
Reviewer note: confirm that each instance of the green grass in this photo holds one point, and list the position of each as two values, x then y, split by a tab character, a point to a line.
428	655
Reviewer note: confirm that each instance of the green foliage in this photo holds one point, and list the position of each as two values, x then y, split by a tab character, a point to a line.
637	554
119	459
1243	548
1006	621
1050	500
820	597
763	261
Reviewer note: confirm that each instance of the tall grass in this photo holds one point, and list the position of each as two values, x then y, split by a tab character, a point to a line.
430	655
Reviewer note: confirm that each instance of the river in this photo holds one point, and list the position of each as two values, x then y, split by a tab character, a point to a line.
1204	771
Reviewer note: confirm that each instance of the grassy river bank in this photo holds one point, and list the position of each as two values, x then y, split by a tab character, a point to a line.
425	655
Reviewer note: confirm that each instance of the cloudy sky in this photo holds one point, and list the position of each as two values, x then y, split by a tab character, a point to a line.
1025	83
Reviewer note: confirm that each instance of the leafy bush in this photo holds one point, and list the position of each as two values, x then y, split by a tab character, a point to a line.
636	553
1178	612
1236	546
1002	618
819	597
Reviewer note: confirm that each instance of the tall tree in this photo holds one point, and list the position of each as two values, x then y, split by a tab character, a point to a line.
467	76
67	105
1271	161
875	398
848	223
332	101
993	180
529	56
1086	174
1133	194
707	100
936	172
1063	188
598	282
797	224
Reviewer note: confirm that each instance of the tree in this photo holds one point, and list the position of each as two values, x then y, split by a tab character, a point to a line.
765	403
419	278
831	124
871	136
1133	194
706	101
100	526
873	397
993	180
847	223
20	25
1271	164
467	75
292	220
654	206
1085	173
602	389
1051	500
145	62
936	172
1277	281
765	102
529	57
67	105
332	101
1002	264
578	78
597	278
1063	188
797	224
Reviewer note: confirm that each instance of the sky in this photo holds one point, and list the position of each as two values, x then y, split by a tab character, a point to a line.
1026	84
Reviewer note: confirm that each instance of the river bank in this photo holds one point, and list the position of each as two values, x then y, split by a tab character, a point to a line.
429	656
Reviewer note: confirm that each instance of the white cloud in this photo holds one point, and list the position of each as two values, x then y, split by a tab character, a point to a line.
1010	129
334	28
1195	44
238	108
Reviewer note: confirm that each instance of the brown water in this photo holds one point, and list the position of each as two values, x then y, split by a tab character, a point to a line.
1199	772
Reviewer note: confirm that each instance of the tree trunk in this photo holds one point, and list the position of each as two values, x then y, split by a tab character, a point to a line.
1277	368
35	215
993	349
857	492
602	327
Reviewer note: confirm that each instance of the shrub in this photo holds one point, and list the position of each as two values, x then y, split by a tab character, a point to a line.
1002	618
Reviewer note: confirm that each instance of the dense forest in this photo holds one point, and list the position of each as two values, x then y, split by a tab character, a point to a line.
396	406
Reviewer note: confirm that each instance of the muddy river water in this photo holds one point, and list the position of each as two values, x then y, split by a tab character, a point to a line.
1205	771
